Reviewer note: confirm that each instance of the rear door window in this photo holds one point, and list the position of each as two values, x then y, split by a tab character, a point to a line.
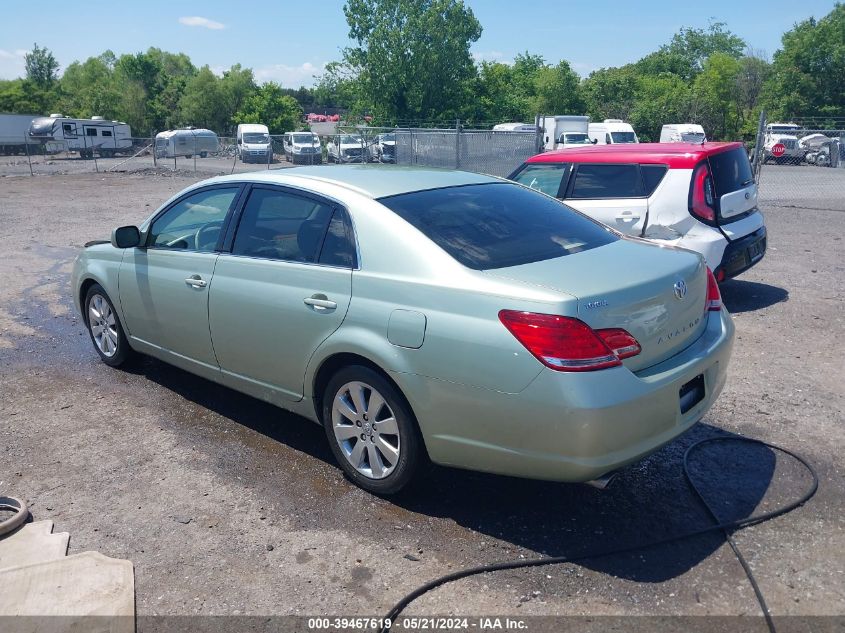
652	175
731	171
546	178
497	225
607	181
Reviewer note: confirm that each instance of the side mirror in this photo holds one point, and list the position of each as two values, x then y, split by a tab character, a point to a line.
239	141
595	140
126	237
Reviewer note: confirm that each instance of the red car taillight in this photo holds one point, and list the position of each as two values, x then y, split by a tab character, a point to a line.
714	297
702	204
567	344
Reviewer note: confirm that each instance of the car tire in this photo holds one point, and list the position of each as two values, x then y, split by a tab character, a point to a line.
378	445
104	327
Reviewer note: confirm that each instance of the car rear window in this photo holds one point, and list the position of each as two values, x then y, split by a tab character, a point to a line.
731	171
498	225
607	181
545	178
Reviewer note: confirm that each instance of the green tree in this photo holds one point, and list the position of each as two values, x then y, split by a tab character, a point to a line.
88	88
557	89
271	106
41	67
658	100
690	48
204	102
808	73
412	58
716	97
609	93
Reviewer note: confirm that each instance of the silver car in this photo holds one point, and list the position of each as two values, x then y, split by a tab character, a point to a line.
419	314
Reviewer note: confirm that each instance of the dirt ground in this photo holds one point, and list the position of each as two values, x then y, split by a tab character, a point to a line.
229	506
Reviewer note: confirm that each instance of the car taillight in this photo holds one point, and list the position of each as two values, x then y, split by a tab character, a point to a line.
567	344
714	297
703	199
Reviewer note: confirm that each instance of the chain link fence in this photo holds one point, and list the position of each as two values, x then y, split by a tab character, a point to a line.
799	166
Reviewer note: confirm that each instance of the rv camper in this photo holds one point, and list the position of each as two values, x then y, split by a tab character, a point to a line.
60	133
514	127
186	142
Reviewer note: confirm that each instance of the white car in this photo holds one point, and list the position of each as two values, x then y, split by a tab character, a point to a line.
348	148
385	148
700	197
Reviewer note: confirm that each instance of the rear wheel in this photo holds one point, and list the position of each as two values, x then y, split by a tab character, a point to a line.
371	430
105	328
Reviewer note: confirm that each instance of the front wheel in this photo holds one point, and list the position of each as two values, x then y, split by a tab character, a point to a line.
371	430
105	328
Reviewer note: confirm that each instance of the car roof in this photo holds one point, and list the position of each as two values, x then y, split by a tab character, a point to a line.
375	181
676	155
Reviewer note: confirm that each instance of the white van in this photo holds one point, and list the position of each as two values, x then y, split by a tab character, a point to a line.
302	147
611	132
254	144
682	133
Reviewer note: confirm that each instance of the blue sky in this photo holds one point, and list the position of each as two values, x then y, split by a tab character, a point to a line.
290	41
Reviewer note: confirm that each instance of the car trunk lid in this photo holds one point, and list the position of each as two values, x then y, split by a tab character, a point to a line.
655	293
733	181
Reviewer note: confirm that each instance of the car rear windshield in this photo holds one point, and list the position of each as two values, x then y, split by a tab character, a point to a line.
731	171
497	225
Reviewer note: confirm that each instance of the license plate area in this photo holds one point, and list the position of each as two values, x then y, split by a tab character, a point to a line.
691	393
757	250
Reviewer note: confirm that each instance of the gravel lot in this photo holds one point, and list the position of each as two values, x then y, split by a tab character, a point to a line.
227	505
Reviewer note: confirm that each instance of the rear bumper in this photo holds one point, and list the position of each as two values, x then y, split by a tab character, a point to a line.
570	426
742	254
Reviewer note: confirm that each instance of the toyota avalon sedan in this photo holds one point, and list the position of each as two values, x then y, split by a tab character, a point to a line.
419	314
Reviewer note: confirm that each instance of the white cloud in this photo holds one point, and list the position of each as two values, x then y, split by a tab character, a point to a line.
11	63
203	22
489	56
290	76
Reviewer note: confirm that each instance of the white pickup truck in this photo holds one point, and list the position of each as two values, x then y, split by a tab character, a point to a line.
785	134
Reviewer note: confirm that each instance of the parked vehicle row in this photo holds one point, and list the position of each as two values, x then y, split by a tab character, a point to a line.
426	314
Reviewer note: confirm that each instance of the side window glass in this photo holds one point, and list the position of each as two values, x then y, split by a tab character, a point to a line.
281	225
607	181
195	222
339	245
652	175
91	131
543	178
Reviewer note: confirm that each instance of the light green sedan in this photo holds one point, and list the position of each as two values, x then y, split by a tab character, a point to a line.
419	314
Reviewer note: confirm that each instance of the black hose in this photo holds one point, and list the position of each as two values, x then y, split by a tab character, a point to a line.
727	527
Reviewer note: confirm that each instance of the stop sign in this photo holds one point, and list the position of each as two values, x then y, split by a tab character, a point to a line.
778	150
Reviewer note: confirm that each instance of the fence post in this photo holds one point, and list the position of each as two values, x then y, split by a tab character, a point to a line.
194	135
457	143
153	145
758	146
269	151
28	157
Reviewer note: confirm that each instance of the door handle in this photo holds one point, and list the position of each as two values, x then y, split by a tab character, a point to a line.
196	281
320	302
627	216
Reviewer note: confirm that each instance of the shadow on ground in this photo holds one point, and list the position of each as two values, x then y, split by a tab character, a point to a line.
647	501
745	296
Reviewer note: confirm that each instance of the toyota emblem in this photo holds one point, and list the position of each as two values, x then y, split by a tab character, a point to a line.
680	289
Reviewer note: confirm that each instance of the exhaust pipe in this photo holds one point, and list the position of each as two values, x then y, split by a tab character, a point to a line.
603	482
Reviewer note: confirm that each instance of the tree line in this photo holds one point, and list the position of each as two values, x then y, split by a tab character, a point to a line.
410	64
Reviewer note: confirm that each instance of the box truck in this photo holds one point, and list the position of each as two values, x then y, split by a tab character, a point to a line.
14	134
564	130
